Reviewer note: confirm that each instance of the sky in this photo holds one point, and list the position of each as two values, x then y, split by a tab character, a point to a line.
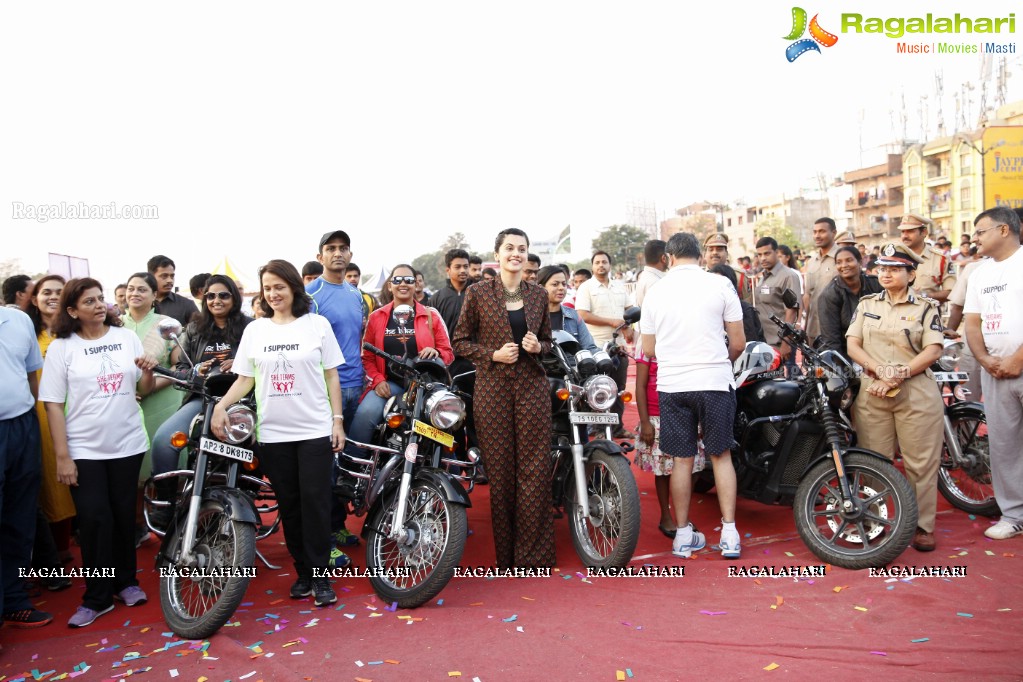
254	128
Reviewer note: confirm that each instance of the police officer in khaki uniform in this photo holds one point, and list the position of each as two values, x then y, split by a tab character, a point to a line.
715	250
845	238
896	336
820	270
936	274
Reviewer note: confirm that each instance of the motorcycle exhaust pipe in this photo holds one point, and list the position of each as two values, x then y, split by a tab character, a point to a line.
579	471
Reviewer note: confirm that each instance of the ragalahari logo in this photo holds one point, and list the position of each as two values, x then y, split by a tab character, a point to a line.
817	35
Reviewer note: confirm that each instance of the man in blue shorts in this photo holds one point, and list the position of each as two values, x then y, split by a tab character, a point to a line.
343	306
695	388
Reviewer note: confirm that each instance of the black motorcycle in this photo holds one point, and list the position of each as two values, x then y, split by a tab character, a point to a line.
592	481
964	478
416	526
852	507
209	545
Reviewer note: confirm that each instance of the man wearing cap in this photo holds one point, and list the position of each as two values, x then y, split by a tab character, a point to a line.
896	336
846	238
342	305
820	270
935	276
994	330
715	250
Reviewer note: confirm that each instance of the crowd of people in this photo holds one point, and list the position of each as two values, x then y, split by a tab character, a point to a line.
84	420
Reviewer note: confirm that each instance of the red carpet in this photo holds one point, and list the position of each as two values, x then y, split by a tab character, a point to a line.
841	626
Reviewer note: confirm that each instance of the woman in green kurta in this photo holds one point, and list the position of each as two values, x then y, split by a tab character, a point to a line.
144	320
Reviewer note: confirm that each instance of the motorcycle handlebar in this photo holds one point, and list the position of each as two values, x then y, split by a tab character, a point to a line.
163	371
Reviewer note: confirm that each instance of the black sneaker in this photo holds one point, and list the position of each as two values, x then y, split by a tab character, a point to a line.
27	618
303	587
324	593
57	583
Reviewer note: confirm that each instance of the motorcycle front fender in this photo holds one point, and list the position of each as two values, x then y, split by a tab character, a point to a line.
452	492
826	455
608	446
237	505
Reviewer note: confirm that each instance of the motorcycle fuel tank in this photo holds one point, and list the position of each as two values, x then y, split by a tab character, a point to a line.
769	397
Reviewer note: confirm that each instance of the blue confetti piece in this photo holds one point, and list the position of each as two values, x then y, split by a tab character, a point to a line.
628	672
440	602
965	615
511	619
126	623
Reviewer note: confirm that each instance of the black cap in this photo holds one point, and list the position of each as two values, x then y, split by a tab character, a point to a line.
335	234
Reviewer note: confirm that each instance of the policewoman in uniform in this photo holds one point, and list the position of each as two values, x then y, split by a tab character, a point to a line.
895	336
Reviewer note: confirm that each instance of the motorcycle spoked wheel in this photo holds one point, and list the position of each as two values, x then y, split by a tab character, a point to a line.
195	608
417	569
607	536
967	485
874	537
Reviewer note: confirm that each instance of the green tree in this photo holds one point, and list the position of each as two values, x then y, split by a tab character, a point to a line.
782	233
432	264
623	243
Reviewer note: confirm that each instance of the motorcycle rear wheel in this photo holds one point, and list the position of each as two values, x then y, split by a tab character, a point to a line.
872	538
437	532
196	608
607	536
967	485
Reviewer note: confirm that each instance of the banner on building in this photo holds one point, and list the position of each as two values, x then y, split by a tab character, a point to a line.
1003	166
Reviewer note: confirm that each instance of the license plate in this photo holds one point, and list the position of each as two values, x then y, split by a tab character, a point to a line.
424	429
224	450
593	418
945	377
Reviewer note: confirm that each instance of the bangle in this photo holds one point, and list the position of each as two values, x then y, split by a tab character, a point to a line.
339	416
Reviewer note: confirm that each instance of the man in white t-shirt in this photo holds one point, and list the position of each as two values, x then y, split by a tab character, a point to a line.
994	330
684	324
601	302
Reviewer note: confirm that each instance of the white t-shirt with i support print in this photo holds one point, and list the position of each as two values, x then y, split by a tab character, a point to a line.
95	381
995	292
287	362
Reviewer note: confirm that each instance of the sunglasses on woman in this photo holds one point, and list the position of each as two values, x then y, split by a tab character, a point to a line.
406	279
222	295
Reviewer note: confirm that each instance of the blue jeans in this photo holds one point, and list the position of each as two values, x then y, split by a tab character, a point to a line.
20	468
165	455
370	414
349	406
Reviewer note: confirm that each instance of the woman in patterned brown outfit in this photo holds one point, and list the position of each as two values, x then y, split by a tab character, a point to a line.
503	328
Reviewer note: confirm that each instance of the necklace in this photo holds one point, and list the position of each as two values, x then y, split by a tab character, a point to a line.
513	296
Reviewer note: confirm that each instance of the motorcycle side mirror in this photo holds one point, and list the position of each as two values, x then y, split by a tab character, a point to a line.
790	299
632	315
170	329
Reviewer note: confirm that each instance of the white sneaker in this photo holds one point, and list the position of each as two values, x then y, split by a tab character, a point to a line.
681	548
729	544
1003	530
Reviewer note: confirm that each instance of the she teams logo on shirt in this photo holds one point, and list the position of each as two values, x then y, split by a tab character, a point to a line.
283	375
109	378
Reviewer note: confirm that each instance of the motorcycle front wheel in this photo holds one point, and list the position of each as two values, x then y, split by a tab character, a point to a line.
607	536
966	484
876	532
196	606
414	570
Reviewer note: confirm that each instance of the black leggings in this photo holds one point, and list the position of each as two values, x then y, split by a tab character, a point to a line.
300	473
105	500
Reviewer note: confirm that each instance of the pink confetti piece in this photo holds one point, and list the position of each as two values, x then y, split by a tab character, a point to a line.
878	653
714	613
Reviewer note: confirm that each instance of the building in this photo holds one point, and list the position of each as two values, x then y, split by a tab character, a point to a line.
798	213
876	200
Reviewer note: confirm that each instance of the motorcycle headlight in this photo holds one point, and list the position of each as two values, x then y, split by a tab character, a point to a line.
848	397
241	423
950	355
601	391
446	410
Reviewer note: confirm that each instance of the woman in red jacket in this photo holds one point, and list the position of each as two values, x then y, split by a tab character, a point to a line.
425	335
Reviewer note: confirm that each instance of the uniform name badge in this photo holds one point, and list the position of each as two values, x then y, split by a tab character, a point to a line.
765	290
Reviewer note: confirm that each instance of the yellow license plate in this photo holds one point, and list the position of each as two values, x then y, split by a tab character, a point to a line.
423	429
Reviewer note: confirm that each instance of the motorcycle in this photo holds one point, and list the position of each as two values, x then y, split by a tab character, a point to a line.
206	555
592	480
416	527
964	478
852	507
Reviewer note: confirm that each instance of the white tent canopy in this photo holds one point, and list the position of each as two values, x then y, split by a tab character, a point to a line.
226	267
375	283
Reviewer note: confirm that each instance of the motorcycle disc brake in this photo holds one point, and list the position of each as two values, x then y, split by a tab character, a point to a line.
851	533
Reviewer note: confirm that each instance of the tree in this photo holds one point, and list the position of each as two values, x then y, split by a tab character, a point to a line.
782	233
432	264
622	242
